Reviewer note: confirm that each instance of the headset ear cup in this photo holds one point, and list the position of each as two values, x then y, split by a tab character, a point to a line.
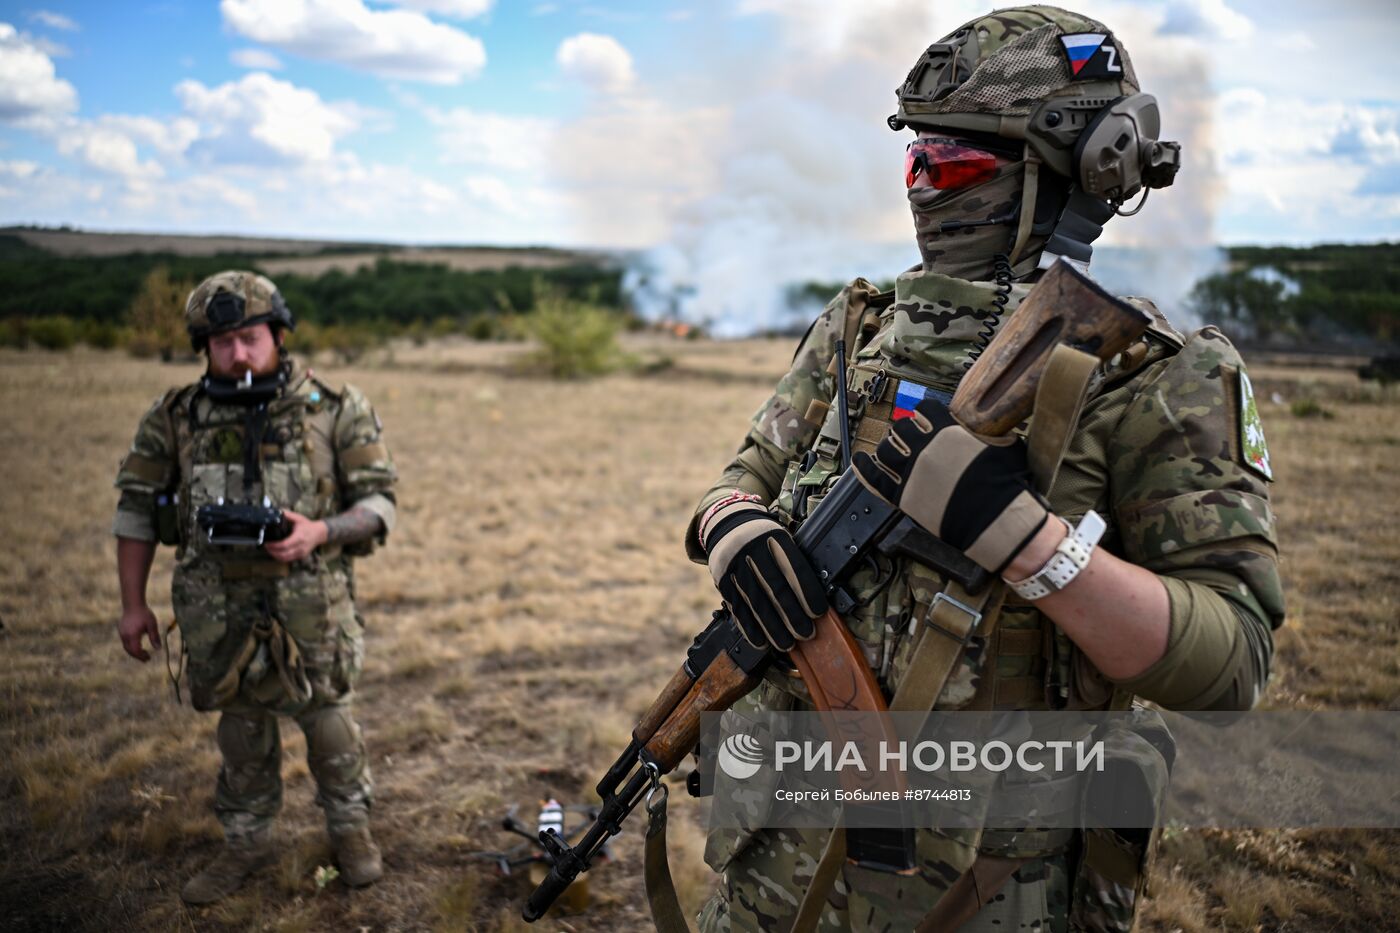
1108	156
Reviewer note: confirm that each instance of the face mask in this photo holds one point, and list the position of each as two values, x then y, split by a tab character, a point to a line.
967	253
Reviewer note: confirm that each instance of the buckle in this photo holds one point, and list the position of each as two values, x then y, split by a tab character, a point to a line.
974	617
875	388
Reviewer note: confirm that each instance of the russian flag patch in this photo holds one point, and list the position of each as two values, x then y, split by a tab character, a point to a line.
1091	55
907	397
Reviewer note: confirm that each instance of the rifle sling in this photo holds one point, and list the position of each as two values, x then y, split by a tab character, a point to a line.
661	889
954	616
1059	400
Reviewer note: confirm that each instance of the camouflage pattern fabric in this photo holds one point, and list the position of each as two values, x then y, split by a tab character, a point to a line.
761	890
261	302
248	796
1016	62
1156	452
321	452
967	253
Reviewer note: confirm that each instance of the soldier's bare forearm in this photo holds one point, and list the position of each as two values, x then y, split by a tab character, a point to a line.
1116	612
353	525
134	559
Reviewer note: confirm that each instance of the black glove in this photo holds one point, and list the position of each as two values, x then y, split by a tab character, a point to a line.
972	492
767	583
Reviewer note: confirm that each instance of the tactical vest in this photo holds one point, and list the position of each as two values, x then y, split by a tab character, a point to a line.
1027	663
222	593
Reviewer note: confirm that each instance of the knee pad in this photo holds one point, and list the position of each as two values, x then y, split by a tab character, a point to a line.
248	739
331	734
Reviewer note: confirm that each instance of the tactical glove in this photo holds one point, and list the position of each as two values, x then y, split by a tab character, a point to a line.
767	584
972	492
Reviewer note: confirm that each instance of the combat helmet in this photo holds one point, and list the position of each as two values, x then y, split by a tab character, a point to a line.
1063	87
232	299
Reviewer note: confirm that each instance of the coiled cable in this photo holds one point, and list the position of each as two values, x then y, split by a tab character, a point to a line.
1001	266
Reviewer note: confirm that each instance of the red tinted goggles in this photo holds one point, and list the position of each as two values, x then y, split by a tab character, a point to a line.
947	163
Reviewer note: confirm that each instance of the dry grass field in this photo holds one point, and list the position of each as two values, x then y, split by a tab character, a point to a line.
533	600
463	259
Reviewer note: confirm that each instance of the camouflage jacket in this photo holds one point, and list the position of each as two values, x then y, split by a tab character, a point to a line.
1163	451
320	452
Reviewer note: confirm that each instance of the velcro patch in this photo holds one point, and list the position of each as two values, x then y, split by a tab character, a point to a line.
1091	55
1253	451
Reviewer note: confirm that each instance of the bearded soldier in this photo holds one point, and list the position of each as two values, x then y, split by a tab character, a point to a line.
268	482
1149	569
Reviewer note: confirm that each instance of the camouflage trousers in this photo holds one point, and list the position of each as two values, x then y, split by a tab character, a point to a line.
762	887
249	793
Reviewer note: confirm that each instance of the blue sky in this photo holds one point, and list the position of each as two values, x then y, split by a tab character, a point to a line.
703	130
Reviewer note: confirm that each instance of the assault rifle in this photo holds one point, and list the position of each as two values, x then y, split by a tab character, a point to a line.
847	527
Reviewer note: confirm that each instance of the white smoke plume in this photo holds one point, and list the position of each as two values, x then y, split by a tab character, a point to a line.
801	179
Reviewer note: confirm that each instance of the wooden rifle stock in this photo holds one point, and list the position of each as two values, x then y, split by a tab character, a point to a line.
831	664
1065	307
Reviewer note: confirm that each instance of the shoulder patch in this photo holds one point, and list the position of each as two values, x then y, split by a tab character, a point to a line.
1253	451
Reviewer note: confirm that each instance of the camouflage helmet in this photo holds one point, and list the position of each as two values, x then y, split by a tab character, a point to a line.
1058	81
232	299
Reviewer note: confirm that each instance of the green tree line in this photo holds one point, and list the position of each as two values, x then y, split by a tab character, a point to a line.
39	284
1330	293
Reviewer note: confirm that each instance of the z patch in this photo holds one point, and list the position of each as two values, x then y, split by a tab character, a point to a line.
1253	450
1091	55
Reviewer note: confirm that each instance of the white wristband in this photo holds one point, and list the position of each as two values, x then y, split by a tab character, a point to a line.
1070	557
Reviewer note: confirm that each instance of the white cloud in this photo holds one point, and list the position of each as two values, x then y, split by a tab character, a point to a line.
18	172
255	59
53	20
29	86
1206	19
597	61
261	119
1295	41
106	149
1295	166
481	138
170	138
457	9
19	169
391	43
491	191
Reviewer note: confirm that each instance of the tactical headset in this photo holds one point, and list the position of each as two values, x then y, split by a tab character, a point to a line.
1102	141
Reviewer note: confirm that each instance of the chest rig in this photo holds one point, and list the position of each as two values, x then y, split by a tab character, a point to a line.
278	452
252	626
1014	658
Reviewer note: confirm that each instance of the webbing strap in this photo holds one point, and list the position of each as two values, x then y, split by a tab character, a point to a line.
1029	185
1059	399
952	619
809	912
174	673
973	889
661	889
286	660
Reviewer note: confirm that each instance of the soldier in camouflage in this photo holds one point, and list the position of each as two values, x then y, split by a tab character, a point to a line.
268	627
1032	132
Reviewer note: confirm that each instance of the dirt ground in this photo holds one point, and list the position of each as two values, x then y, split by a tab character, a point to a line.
532	602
